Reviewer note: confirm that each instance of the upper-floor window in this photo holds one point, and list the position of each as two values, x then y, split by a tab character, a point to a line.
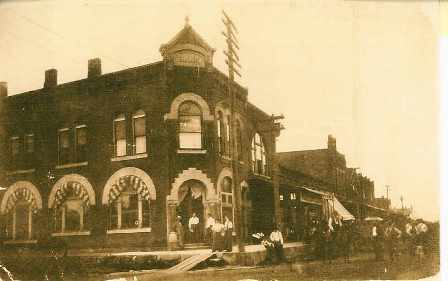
21	149
258	155
120	143
81	143
139	132
190	126
133	143
239	141
72	145
221	133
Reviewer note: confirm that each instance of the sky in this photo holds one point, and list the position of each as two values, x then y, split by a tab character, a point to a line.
366	72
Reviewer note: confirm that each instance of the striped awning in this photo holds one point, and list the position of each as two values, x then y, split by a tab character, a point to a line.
129	183
71	189
21	194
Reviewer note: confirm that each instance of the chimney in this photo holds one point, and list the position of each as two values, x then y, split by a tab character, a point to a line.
51	78
94	69
3	89
331	144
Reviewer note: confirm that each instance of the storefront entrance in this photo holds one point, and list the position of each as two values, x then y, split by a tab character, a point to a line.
191	195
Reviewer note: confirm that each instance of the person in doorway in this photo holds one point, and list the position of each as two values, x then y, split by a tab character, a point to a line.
179	229
218	236
276	238
209	229
193	227
228	228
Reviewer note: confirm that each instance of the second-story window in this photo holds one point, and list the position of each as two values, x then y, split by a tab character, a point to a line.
81	143
29	143
120	135
190	126
239	141
64	146
220	131
15	151
258	155
139	131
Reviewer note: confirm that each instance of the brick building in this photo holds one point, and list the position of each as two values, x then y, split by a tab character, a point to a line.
109	161
309	175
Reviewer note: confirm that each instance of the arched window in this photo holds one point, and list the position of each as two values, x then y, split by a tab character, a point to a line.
120	135
70	205
221	131
258	155
239	141
139	131
129	204
228	135
19	206
227	198
190	126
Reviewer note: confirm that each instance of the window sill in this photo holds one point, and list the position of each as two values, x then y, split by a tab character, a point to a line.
262	176
78	233
130	230
20	242
129	157
191	151
18	172
72	165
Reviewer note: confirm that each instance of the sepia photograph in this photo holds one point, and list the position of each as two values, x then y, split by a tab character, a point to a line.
255	140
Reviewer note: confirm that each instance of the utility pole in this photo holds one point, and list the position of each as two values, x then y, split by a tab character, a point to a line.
387	191
232	62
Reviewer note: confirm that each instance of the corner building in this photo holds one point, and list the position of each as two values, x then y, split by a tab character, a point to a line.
110	161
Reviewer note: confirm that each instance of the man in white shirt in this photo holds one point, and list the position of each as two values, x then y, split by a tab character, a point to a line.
193	226
277	238
209	228
228	227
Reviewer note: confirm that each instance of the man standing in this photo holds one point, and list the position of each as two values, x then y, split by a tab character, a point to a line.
218	236
277	238
392	235
209	228
193	226
228	227
180	232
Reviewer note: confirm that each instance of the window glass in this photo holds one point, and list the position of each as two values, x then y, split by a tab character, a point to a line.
129	210
64	146
190	123
190	140
146	216
139	134
188	108
226	185
81	143
113	216
29	143
15	146
73	214
22	221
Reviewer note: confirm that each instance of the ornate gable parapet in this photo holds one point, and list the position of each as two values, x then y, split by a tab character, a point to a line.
187	48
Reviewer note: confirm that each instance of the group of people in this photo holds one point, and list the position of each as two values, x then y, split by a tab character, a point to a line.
410	239
218	235
328	240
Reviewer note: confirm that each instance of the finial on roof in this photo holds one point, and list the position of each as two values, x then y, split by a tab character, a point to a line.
187	21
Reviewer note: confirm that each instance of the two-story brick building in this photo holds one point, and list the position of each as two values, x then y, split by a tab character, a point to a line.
111	160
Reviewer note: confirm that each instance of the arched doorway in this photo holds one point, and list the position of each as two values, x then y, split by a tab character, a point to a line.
192	194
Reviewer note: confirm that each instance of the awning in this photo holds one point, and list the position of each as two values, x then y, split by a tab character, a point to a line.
341	210
21	194
71	189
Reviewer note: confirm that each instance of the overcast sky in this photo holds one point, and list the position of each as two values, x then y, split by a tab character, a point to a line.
364	71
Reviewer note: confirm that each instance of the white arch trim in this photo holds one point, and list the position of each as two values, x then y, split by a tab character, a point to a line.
173	114
127	171
192	174
225	172
21	184
71	178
